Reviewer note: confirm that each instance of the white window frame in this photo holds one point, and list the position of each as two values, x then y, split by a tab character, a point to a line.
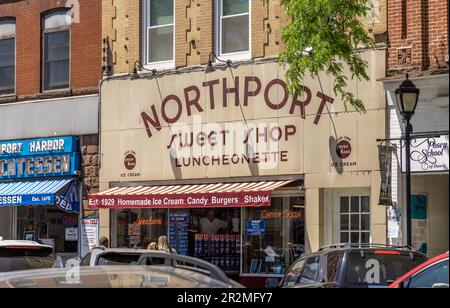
161	65
234	56
52	30
350	213
336	195
13	93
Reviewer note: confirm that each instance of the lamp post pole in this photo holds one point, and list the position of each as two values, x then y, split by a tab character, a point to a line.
408	130
407	96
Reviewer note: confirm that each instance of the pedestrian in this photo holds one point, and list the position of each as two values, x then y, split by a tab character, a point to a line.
152	246
103	243
163	245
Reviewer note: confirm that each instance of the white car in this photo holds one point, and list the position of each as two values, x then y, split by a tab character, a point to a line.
18	255
114	256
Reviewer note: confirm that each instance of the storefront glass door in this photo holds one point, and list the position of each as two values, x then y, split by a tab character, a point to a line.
48	225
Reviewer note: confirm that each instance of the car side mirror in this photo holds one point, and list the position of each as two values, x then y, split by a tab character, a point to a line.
272	283
401	285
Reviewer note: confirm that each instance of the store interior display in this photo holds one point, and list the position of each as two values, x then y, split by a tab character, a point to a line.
222	235
47	224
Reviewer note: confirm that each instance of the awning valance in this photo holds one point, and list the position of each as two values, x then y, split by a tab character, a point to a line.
61	192
187	196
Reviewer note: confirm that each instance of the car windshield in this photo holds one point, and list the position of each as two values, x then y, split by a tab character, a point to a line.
118	258
23	258
379	267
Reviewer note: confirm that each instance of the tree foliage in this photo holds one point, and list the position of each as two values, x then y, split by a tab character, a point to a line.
333	31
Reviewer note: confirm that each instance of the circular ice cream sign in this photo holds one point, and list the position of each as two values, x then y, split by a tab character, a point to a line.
343	148
130	161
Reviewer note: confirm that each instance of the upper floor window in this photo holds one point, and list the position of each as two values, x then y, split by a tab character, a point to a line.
7	56
56	50
233	30
159	33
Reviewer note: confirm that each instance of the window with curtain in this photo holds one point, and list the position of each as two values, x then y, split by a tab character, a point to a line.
7	56
233	28
56	50
159	32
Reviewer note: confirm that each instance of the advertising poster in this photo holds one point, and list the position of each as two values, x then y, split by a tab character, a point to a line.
89	235
256	227
178	231
134	231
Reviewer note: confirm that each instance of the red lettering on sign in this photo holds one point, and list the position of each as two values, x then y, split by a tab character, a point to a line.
210	85
247	92
149	121
325	99
192	101
177	100
227	91
299	103
285	97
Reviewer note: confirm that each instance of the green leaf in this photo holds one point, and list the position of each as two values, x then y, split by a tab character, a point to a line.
334	31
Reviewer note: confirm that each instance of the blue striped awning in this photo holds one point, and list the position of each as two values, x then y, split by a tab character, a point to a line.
36	192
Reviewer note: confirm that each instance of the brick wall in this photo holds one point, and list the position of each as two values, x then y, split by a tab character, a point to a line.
85	45
121	25
418	34
194	30
90	167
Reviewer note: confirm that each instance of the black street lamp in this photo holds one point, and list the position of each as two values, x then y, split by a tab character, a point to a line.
406	97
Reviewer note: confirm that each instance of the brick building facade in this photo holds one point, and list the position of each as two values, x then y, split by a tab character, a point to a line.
145	100
85	64
418	36
418	45
50	73
195	28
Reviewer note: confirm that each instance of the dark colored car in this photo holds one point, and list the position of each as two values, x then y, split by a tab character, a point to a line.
431	274
351	266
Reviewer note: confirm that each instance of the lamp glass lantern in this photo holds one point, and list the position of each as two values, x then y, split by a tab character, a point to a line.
406	96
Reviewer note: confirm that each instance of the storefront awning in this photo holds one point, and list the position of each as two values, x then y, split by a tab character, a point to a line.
61	192
248	194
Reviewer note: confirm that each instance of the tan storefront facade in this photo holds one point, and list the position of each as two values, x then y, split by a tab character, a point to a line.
239	124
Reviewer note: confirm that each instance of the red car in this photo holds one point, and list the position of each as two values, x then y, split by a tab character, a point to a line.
431	274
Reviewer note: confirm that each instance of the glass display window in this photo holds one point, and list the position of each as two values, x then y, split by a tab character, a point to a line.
139	227
273	237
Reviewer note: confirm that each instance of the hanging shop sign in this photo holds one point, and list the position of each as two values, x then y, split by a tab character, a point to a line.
45	157
427	154
385	157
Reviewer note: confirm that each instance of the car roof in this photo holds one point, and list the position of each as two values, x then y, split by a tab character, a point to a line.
370	246
121	250
106	276
5	243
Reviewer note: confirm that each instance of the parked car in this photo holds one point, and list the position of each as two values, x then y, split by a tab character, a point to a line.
112	256
430	274
154	269
111	276
25	255
350	266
